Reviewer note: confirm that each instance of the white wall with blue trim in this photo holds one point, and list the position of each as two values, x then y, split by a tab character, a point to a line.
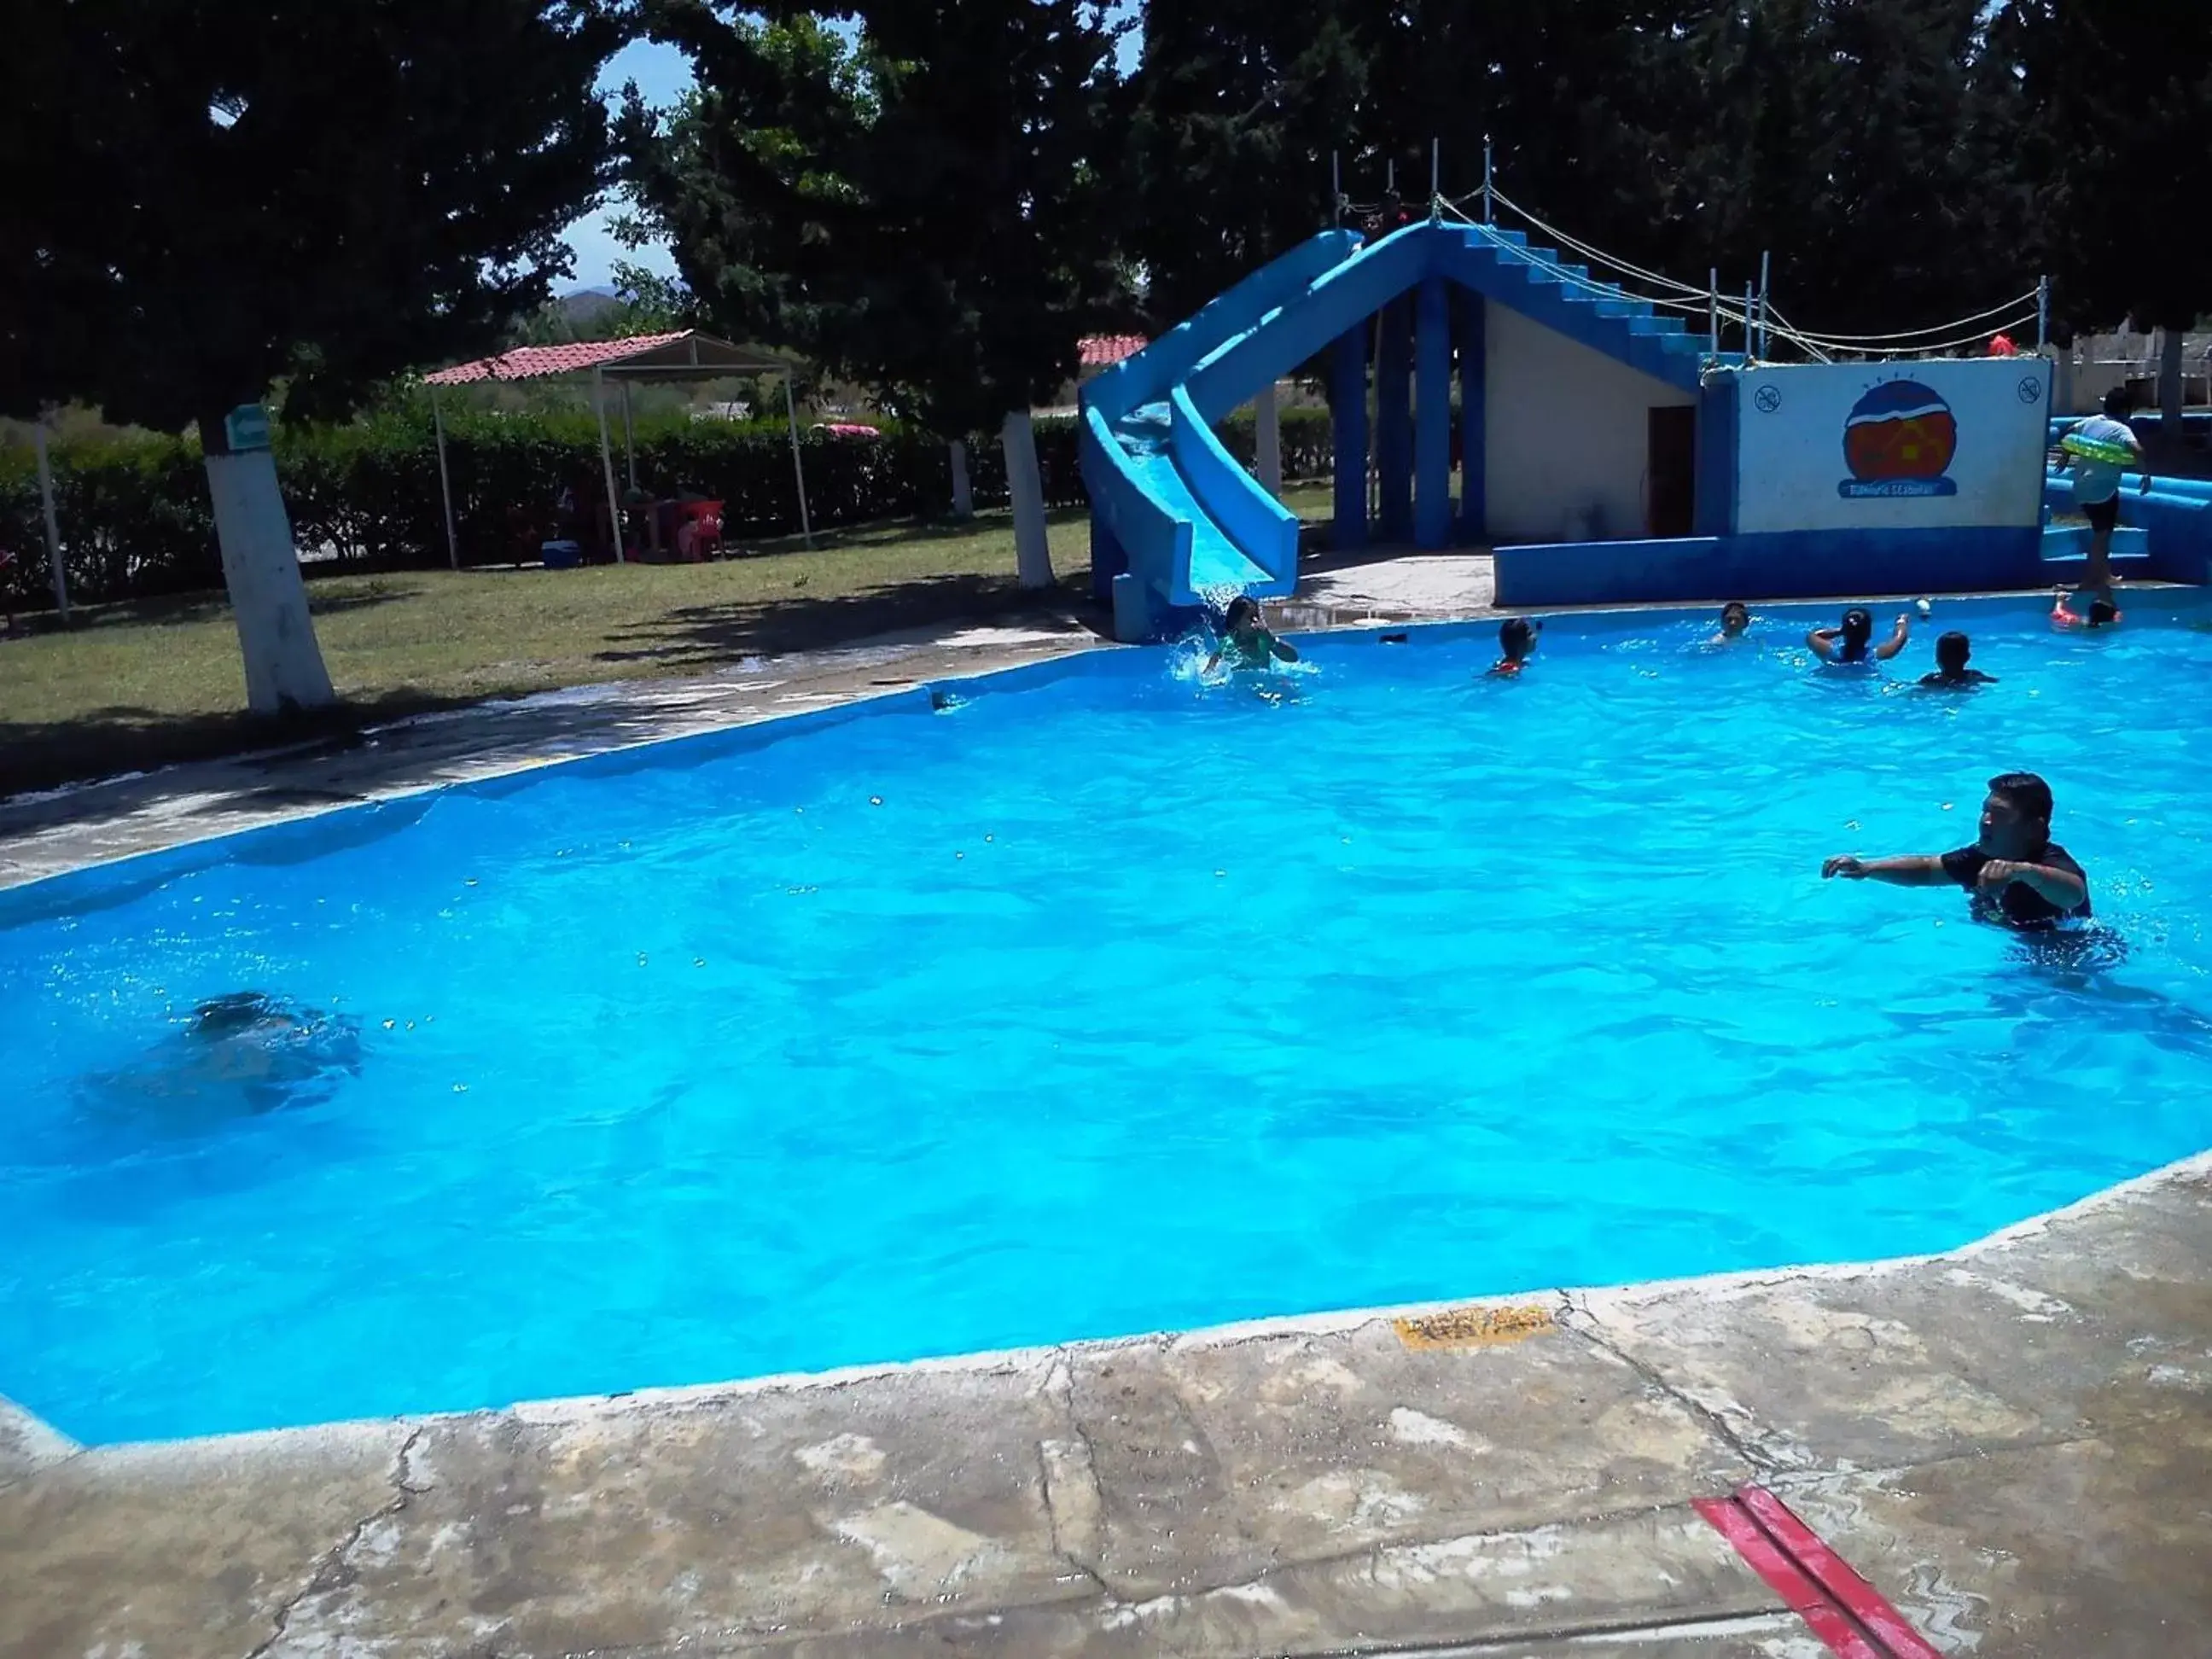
1566	435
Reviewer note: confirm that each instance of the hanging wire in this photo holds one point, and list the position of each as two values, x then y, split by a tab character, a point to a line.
1784	330
1929	347
1816	345
1602	289
2028	298
1598	256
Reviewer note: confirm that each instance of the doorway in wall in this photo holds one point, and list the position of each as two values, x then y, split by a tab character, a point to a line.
1671	466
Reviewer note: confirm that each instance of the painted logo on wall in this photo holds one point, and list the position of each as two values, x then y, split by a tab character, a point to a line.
1898	440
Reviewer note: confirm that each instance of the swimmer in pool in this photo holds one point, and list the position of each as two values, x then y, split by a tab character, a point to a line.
2102	613
1735	623
1516	639
1245	641
2016	874
1854	640
1952	673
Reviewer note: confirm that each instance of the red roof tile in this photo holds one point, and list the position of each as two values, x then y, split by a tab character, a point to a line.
1103	350
535	362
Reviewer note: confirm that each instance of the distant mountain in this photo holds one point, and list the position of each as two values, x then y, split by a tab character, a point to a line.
585	306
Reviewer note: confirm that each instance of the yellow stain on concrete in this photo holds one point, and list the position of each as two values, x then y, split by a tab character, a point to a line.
1475	1328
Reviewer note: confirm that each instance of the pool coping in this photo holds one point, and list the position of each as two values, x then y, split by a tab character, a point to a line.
52	1444
2008	1439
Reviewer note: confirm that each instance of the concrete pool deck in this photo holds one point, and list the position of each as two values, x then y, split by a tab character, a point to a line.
2013	1441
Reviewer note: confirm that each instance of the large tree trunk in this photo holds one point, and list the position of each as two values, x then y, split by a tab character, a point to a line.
261	568
963	493
1032	550
1268	440
2171	342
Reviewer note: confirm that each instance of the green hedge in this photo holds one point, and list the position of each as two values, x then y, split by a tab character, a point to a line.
136	520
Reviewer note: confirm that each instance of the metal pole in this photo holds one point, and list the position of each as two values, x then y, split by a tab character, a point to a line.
798	466
607	462
54	565
1487	212
1750	346
629	438
2042	312
1335	190
445	482
1764	290
1436	178
1713	309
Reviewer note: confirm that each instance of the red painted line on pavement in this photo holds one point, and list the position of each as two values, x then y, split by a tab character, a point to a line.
1798	1589
1834	1575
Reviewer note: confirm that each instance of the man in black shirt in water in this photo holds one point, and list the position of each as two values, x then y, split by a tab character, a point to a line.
2017	874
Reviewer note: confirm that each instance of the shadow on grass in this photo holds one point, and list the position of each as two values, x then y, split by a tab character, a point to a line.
699	636
175	610
36	755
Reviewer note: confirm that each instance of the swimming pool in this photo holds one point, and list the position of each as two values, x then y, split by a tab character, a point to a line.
1100	1003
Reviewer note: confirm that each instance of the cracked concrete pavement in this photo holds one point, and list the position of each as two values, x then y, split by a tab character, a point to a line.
2013	1442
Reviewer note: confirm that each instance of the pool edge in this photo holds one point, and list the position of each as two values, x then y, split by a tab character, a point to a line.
577	1409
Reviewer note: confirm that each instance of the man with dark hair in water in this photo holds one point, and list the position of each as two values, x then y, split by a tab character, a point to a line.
2017	874
1952	673
1516	638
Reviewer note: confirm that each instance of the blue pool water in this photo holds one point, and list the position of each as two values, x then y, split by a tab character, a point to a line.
1102	1003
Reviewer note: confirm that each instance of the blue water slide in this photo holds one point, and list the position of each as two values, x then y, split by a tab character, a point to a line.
1176	520
1186	517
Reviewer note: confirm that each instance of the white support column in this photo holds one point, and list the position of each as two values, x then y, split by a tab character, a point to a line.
284	667
963	492
798	466
1268	440
1032	546
54	563
607	462
445	482
629	438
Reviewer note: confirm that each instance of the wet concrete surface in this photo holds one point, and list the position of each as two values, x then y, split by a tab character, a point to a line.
2013	1442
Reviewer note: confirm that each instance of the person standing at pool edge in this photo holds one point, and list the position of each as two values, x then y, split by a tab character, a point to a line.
2017	874
2096	486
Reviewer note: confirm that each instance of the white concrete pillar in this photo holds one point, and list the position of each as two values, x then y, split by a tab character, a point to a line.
963	493
1268	440
1032	547
261	568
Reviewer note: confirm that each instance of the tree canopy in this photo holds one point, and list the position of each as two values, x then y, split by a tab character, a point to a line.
205	198
1905	160
917	193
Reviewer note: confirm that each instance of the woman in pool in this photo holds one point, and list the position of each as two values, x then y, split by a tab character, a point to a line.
1735	623
1854	642
1245	641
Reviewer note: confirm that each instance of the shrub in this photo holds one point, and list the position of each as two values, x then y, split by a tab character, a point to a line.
136	520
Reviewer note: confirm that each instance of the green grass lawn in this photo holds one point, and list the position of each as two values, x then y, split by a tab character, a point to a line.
130	686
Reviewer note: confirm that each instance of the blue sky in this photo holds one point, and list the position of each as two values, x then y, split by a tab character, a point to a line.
660	73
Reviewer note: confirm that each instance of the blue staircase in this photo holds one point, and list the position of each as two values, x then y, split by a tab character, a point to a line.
1176	520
